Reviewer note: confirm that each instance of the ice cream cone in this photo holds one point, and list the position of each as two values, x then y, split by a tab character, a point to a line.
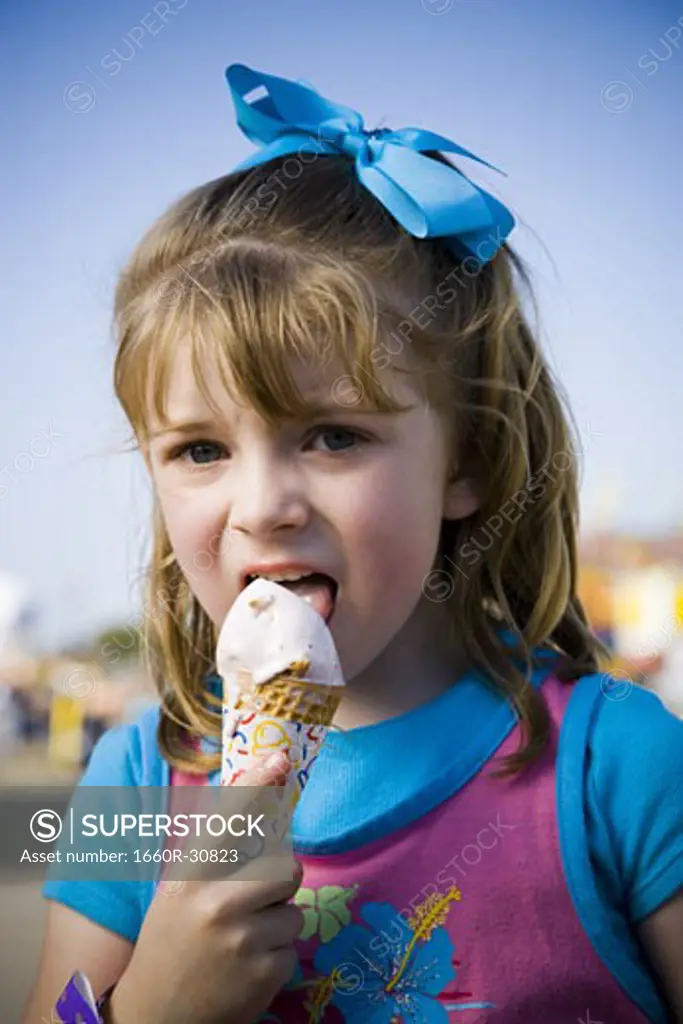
282	684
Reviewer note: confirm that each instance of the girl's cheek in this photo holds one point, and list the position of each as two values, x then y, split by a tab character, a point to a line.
193	540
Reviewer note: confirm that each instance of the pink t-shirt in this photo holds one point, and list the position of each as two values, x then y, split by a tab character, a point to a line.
463	914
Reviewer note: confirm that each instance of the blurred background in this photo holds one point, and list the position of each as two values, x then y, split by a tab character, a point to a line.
112	111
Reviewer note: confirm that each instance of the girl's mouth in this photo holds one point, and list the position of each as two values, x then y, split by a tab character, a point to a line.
318	590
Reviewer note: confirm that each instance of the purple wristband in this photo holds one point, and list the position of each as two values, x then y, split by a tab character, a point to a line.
77	1005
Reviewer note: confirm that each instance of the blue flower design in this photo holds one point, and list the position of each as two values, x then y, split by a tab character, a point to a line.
376	981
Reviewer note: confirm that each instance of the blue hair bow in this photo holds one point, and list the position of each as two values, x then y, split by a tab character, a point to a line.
428	198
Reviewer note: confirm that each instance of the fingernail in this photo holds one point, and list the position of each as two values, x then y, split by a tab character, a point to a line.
275	761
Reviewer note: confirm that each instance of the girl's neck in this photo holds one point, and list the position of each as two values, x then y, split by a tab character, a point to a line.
420	663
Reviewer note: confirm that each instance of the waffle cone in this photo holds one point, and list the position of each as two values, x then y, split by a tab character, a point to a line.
295	701
293	698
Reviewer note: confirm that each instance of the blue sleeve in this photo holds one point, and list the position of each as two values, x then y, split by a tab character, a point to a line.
116	905
635	799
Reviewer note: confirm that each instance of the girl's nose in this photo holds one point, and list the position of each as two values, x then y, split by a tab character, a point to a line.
268	498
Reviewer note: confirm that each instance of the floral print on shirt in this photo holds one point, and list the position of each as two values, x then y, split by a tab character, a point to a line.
378	968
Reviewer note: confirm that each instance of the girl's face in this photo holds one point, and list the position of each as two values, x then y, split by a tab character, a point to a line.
355	494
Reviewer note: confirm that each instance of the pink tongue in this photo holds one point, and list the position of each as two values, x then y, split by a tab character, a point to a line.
317	590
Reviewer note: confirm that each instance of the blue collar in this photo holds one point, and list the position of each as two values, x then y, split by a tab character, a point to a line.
375	779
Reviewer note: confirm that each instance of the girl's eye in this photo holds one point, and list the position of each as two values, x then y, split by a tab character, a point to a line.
193	447
340	432
200	452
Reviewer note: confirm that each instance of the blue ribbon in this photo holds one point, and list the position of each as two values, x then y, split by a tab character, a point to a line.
428	198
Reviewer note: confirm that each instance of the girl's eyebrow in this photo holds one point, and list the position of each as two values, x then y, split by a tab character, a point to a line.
188	427
314	411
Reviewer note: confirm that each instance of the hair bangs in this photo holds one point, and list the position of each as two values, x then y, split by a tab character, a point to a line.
249	314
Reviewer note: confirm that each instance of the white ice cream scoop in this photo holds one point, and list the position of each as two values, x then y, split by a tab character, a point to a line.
267	629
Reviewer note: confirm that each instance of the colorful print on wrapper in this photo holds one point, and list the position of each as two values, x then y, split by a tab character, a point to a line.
249	735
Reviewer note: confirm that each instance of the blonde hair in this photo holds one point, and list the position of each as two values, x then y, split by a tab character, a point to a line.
252	276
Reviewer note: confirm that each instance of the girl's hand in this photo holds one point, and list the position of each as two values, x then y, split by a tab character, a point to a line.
218	952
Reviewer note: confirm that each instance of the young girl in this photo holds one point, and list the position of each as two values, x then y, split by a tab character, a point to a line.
493	832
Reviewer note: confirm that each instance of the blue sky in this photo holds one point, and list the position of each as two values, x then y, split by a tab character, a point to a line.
113	110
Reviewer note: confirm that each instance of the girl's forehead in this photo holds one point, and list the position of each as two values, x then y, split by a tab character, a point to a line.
184	391
191	387
196	382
